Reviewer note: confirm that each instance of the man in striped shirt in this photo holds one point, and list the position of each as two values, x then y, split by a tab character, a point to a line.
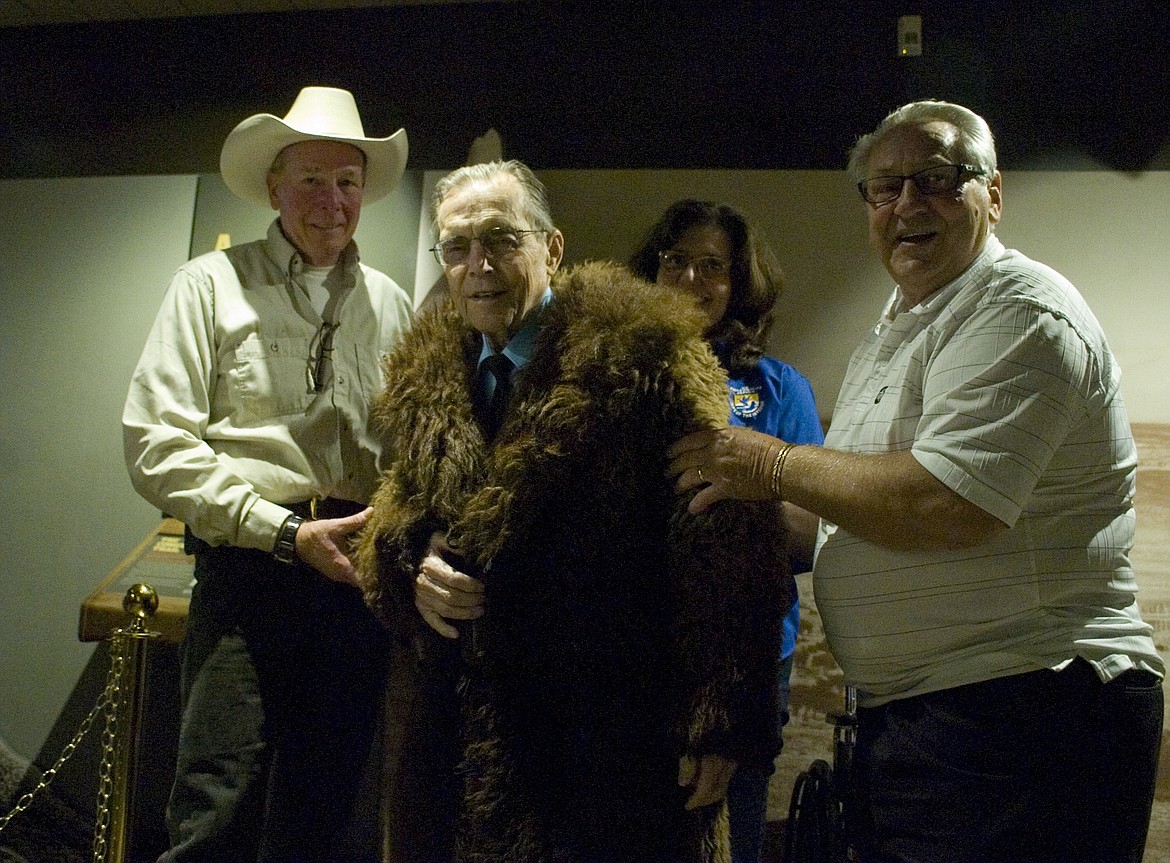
975	502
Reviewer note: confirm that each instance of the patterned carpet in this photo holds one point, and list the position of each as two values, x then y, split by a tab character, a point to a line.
12	769
817	689
49	831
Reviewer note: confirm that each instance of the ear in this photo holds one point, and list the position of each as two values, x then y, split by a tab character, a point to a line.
556	250
273	183
995	193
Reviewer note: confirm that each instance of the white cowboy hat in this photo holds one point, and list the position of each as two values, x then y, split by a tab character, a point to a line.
319	113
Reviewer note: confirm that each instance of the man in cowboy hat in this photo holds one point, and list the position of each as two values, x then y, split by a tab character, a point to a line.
247	419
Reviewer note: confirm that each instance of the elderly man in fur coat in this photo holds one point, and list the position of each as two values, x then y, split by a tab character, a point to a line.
622	652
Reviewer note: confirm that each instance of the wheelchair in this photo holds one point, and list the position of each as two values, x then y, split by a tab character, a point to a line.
818	814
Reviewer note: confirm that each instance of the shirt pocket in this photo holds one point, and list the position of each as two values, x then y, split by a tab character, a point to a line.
271	377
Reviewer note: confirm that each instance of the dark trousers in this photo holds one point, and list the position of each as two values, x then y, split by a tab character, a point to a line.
747	794
1037	767
284	678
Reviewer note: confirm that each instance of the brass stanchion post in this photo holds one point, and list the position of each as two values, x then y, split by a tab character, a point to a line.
123	734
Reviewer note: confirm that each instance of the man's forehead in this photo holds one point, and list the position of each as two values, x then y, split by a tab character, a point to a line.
919	142
499	200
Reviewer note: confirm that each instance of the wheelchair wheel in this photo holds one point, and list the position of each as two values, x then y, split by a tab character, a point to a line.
815	832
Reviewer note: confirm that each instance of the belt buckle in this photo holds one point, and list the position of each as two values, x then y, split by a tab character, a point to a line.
313	507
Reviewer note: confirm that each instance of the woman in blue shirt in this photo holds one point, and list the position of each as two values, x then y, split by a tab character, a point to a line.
710	251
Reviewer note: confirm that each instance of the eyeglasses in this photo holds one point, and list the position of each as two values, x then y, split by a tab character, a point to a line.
323	362
499	244
938	180
672	264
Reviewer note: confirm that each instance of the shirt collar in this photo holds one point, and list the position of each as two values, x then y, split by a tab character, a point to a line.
519	347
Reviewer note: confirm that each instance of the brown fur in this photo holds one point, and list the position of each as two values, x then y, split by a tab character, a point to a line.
614	619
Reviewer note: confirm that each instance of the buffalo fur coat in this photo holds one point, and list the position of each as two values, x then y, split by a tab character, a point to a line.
620	632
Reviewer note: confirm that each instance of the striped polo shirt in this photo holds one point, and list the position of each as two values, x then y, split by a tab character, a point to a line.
1003	386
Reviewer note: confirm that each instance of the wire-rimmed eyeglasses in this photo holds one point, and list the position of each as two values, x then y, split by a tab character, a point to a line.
936	180
499	244
672	263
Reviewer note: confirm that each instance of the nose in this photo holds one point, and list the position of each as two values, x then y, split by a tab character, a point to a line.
477	258
689	274
909	197
329	194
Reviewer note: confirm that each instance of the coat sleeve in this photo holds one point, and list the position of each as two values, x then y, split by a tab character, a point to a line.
396	536
729	567
388	554
431	462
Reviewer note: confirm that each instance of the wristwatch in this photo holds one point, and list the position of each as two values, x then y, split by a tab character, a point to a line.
285	549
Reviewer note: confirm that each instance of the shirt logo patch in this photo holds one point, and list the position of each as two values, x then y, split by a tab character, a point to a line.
745	402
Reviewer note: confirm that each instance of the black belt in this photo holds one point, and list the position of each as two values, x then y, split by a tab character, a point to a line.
325	507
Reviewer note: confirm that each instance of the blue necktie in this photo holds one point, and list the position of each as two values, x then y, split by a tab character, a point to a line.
501	369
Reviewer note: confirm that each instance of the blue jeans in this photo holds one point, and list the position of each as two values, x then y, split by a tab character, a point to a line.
747	795
284	678
1044	767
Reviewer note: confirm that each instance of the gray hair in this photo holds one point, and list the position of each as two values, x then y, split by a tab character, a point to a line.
973	143
536	206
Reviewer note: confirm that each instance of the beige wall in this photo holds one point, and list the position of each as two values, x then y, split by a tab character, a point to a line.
83	263
1109	233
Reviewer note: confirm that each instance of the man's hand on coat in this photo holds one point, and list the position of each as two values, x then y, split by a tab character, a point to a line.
324	545
731	462
442	593
708	775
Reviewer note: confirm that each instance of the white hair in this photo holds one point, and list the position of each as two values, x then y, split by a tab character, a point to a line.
973	143
535	205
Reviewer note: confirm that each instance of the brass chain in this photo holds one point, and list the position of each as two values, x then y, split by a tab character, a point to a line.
119	647
107	703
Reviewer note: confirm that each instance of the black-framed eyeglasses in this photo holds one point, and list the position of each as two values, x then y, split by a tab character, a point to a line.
499	244
936	180
672	263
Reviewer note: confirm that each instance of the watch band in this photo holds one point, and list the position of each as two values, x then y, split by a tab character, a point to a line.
285	549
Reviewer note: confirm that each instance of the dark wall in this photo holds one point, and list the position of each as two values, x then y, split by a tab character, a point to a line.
597	85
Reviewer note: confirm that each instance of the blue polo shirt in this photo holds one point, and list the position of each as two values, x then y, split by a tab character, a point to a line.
776	399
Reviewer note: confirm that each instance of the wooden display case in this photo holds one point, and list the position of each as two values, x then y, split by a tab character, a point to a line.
159	561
